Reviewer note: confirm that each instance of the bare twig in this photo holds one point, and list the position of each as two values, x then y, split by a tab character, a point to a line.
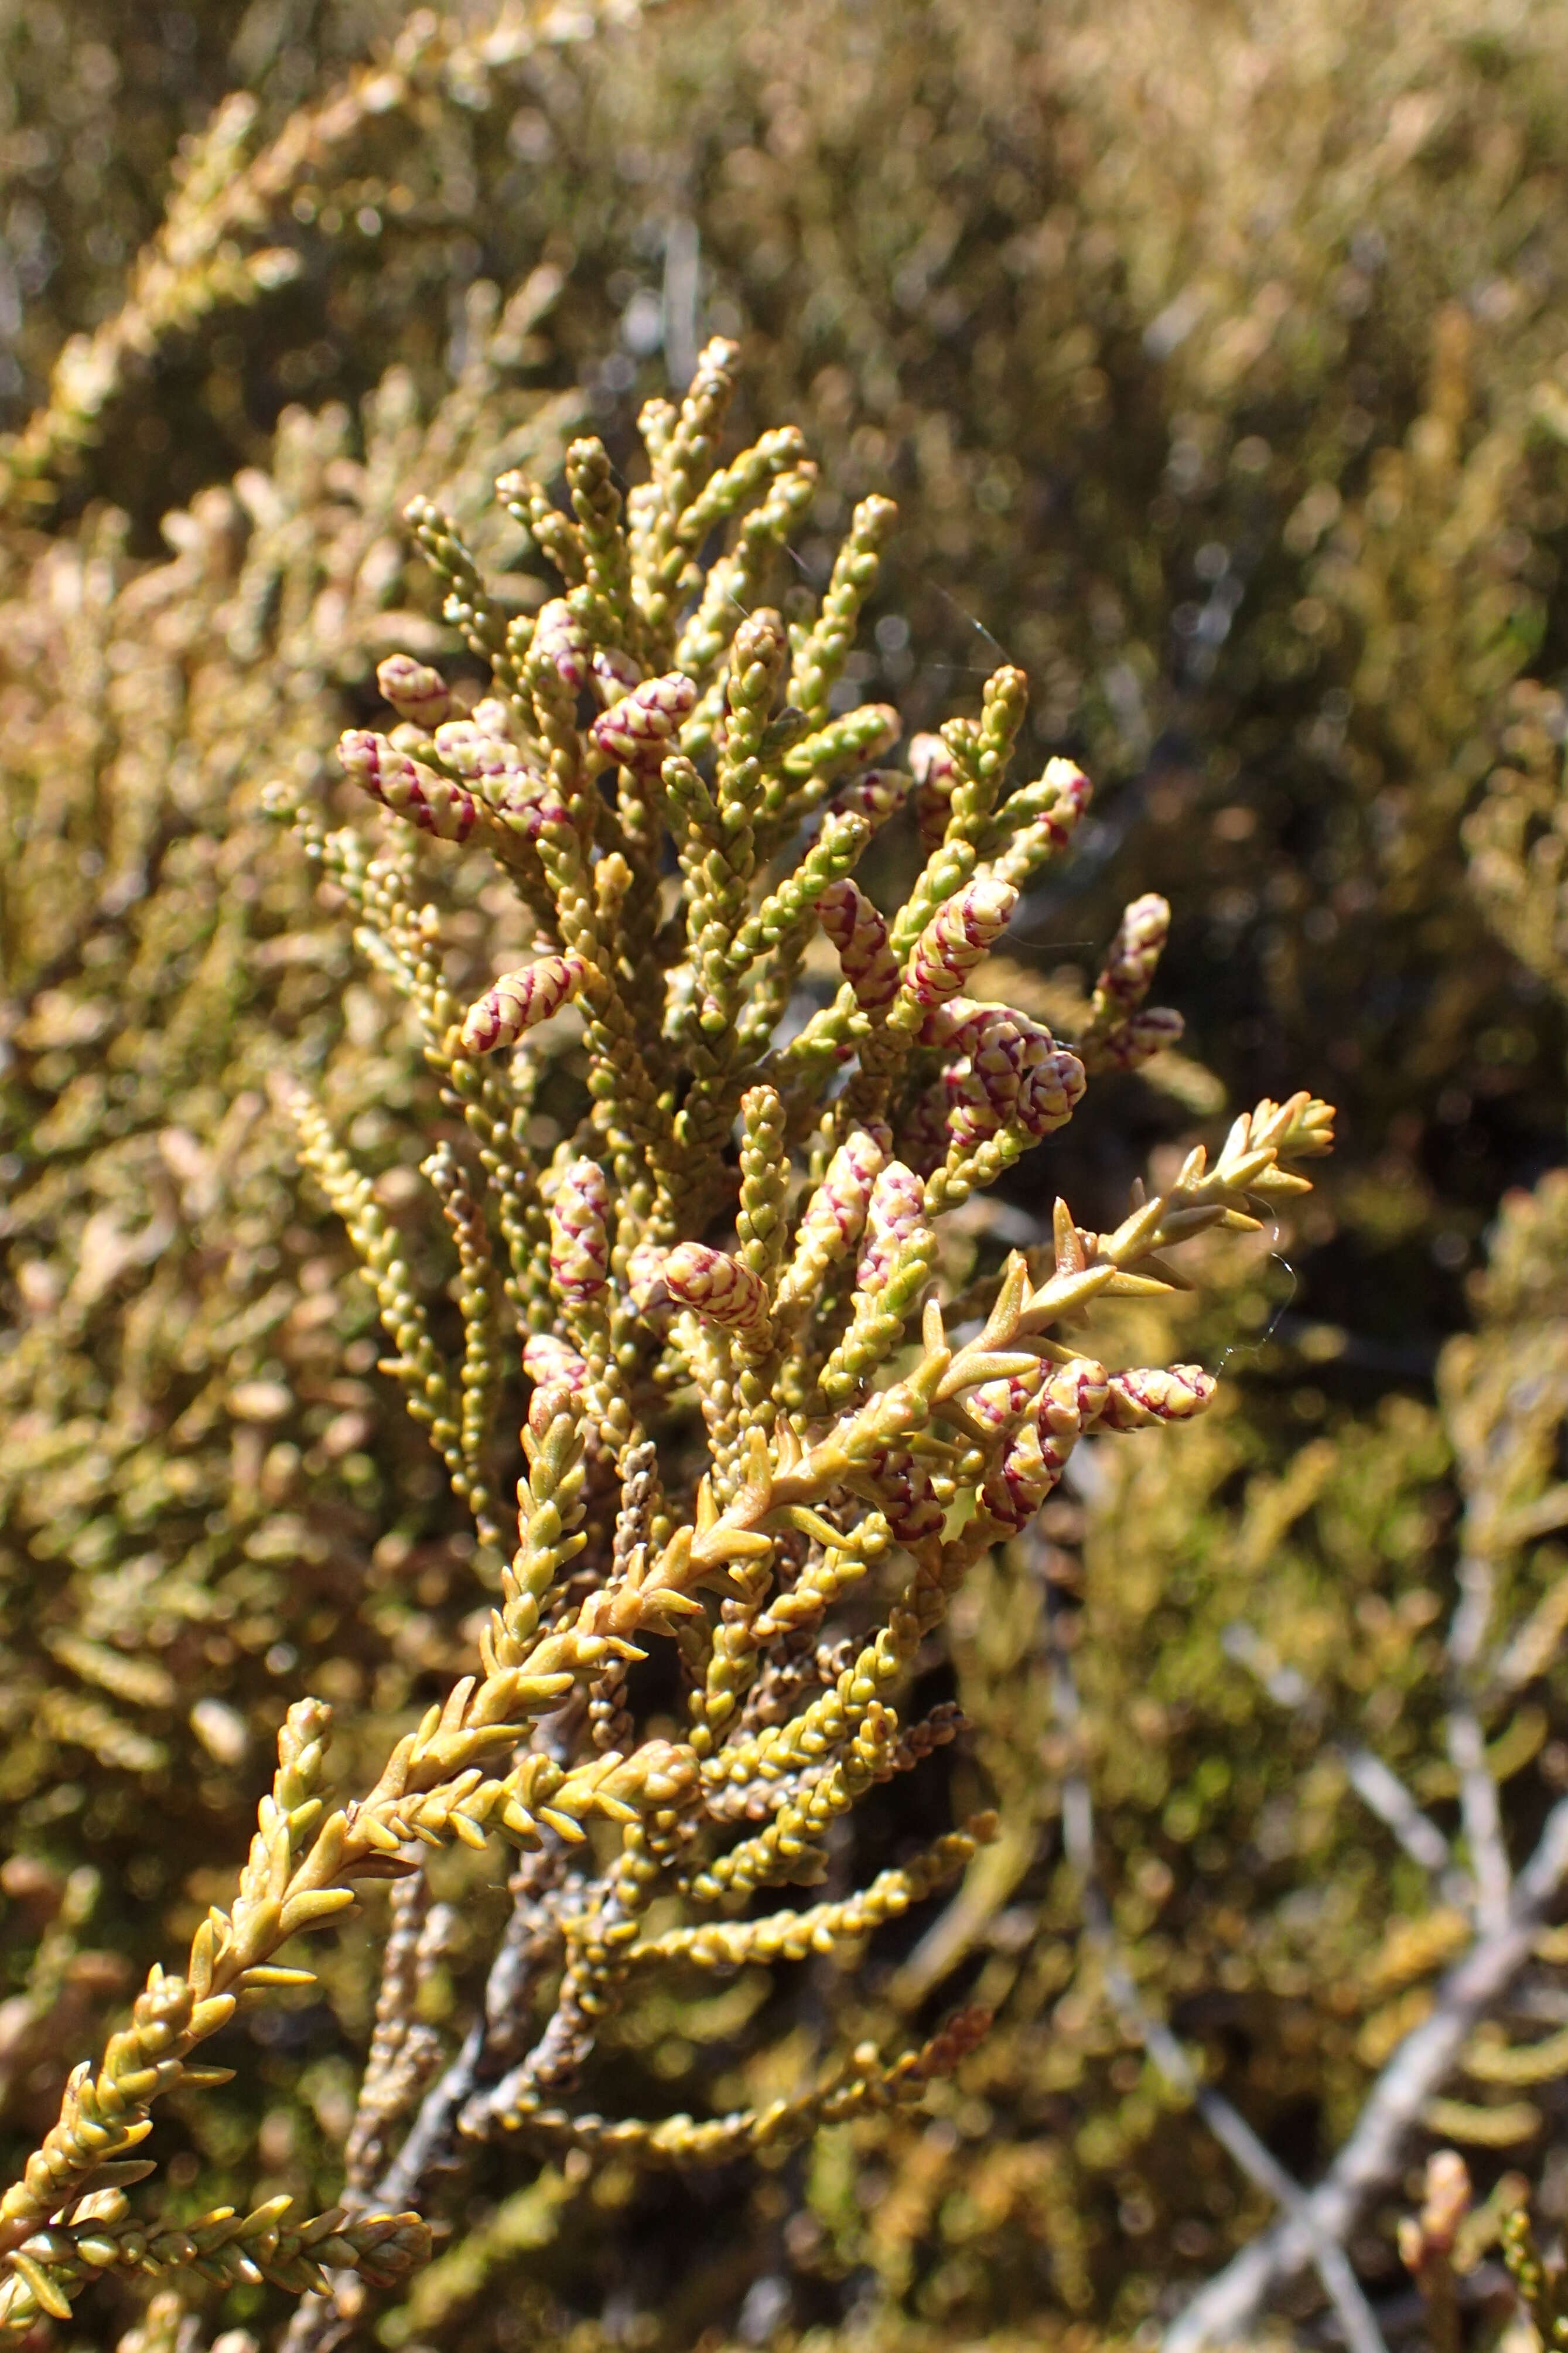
1467	1745
527	1946
322	2324
1377	1786
384	2093
1383	1792
1227	2309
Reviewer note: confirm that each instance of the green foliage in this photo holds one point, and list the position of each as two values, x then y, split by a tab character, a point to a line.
1222	382
636	1333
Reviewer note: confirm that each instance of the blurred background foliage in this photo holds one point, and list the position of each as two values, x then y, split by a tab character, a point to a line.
1217	360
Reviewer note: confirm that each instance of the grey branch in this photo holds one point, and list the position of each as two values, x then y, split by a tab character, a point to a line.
527	1948
1467	1745
1226	2310
1377	1786
1383	1792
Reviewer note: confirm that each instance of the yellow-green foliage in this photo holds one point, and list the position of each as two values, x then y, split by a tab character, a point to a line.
1218	373
199	1467
739	1463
